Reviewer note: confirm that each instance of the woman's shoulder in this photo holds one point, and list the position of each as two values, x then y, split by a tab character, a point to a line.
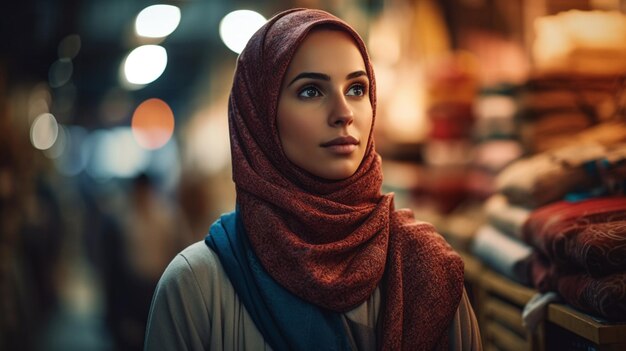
198	256
195	291
197	264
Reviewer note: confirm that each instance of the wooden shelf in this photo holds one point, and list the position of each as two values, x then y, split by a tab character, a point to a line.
505	314
585	326
514	292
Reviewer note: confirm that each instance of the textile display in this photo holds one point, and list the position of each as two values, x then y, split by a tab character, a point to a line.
581	253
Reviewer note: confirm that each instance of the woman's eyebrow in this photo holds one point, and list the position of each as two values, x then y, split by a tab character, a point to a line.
326	77
312	75
356	74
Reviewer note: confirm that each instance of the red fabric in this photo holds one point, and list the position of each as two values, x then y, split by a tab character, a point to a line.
604	296
555	229
599	248
331	242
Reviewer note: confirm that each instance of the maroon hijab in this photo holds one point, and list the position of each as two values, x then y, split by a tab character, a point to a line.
332	242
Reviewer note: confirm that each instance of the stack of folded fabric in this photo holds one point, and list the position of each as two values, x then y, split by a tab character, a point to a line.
558	219
582	253
498	243
558	223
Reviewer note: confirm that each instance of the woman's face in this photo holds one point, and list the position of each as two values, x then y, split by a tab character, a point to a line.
324	111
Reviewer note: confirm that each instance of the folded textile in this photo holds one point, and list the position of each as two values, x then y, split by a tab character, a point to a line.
604	296
549	176
601	296
599	248
506	217
503	254
589	234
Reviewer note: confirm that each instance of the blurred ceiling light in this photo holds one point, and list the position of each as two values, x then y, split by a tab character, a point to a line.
153	124
60	72
237	27
44	131
69	46
145	64
157	21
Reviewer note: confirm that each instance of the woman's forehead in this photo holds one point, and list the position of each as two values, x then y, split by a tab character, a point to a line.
326	50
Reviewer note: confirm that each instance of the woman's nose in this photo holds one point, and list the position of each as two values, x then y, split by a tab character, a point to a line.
341	112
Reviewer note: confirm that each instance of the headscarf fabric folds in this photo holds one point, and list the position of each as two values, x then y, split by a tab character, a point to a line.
332	242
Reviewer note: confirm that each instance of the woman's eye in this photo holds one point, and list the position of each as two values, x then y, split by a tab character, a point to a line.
309	92
356	90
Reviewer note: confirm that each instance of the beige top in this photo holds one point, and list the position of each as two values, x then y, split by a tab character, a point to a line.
195	307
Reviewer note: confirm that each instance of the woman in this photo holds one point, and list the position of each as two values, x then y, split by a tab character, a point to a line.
314	257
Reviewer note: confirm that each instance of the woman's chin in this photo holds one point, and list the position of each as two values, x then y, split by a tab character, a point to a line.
338	171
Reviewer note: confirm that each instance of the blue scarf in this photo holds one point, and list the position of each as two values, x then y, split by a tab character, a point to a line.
285	321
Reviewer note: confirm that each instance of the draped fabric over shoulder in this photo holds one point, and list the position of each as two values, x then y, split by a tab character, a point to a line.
332	242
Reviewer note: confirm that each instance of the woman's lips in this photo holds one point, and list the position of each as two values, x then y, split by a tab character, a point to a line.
342	146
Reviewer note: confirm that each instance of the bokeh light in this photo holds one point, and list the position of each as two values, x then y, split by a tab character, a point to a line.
153	123
69	46
237	27
57	149
60	72
44	131
145	64
115	154
75	153
157	21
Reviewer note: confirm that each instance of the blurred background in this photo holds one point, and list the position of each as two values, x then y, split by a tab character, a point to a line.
114	148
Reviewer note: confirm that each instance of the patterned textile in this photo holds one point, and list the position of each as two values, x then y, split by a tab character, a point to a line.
604	296
332	243
588	234
582	253
599	248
